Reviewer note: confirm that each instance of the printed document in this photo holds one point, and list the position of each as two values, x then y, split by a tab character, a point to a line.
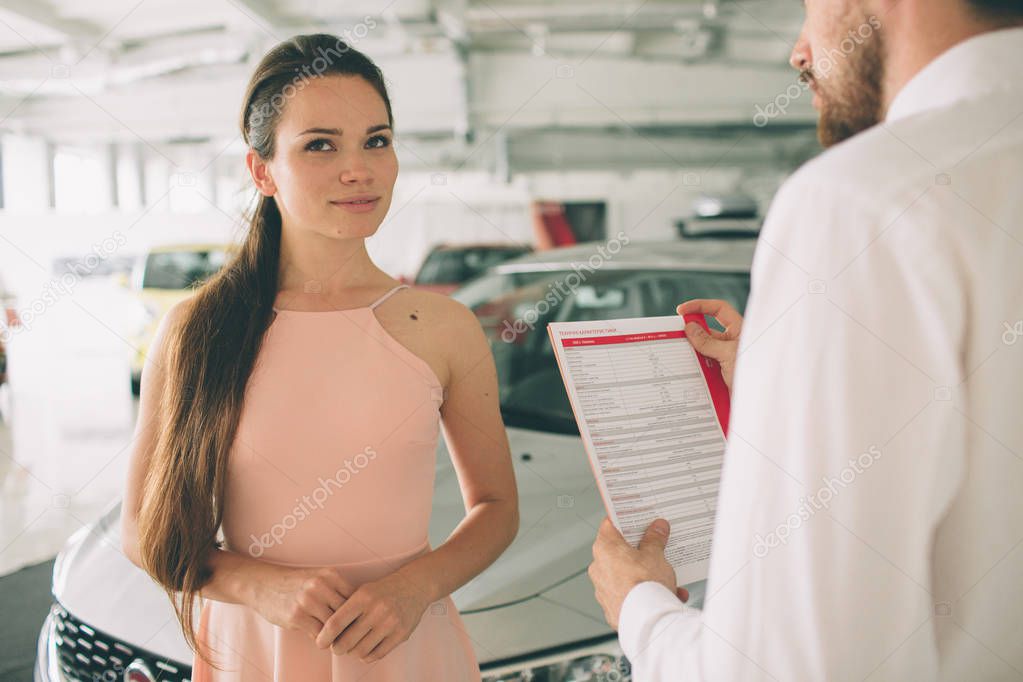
653	415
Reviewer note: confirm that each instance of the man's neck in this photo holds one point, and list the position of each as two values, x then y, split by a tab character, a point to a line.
915	37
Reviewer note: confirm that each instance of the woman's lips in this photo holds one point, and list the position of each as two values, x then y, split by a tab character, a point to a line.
358	206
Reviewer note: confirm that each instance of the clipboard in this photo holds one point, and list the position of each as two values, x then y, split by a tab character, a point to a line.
653	416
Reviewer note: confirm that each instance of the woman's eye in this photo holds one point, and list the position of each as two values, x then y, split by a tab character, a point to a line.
381	139
315	144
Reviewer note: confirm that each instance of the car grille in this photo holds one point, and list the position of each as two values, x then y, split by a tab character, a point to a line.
88	654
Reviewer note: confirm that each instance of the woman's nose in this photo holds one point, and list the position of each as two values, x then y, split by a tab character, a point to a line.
354	169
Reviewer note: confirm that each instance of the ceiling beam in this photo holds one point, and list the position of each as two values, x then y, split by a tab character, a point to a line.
264	15
41	12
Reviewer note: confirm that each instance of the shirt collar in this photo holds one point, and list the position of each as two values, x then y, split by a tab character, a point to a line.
978	64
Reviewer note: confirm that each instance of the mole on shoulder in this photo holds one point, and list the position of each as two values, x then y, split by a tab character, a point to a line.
413	316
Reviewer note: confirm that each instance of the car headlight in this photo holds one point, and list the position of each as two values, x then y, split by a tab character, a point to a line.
603	662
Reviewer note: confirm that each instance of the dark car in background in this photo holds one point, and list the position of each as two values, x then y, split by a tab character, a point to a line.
448	266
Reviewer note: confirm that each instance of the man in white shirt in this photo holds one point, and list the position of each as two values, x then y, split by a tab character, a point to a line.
870	518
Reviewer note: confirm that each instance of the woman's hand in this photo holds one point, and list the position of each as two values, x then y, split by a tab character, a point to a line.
377	617
721	346
299	598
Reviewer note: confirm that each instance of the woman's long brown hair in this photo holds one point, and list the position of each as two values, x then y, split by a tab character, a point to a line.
211	352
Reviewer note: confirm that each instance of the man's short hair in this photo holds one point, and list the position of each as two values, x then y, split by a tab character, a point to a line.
998	10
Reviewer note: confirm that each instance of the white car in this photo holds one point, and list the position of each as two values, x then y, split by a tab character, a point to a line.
532	615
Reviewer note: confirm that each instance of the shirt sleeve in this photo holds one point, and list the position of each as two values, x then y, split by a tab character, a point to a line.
655	629
843	454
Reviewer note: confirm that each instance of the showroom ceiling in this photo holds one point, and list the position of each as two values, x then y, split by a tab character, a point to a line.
163	71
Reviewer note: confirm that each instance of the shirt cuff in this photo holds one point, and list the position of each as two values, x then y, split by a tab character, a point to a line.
643	601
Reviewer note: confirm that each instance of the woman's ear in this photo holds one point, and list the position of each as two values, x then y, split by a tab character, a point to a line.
260	172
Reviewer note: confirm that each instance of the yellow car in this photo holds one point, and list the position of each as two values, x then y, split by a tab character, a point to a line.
163	276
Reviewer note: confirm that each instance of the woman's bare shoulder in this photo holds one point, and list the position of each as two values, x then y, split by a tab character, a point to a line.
441	313
436	327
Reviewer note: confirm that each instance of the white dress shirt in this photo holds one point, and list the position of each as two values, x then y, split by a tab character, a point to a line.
870	518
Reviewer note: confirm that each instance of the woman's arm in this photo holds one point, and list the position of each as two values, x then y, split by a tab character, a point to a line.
232	572
481	456
147	430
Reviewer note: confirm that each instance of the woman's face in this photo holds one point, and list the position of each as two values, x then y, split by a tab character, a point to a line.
333	145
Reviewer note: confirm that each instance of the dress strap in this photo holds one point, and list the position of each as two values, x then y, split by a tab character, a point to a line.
388	295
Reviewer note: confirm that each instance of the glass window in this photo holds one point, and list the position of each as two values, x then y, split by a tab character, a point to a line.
451	266
181	269
514	310
80	183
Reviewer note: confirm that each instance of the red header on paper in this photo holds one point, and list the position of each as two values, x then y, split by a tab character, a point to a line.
710	367
622	338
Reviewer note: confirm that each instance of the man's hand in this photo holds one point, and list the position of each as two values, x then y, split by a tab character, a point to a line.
617	567
721	346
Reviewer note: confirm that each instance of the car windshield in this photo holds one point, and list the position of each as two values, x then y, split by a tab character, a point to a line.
450	266
181	269
514	309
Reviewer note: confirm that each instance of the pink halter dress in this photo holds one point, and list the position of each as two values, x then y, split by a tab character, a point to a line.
333	464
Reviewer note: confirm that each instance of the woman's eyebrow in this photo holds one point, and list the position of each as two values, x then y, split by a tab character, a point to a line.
338	131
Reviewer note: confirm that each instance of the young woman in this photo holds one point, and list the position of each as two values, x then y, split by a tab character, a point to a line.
294	403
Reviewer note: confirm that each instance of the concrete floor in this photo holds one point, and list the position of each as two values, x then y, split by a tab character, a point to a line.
27	594
55	478
56	475
68	419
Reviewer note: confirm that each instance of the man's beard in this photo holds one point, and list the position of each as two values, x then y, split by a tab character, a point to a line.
851	99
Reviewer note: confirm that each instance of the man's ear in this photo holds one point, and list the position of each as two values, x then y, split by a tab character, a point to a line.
260	172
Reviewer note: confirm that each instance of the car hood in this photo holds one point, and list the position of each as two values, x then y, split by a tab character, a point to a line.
540	579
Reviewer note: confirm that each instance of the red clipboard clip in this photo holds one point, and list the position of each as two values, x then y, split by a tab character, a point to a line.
712	375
